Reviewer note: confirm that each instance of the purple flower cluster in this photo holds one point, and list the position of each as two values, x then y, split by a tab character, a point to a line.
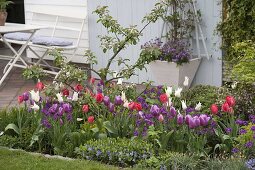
56	112
194	121
176	51
241	122
171	51
250	164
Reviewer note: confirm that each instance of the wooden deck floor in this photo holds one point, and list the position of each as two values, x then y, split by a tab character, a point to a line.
13	86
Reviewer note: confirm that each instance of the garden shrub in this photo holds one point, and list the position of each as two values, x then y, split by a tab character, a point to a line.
245	99
205	94
121	152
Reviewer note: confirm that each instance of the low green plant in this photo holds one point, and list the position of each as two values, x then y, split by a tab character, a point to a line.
245	99
205	94
121	152
244	62
170	160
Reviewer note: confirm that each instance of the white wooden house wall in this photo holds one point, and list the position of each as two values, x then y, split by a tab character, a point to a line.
130	12
77	7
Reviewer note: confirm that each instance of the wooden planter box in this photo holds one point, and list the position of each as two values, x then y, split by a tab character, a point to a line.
168	73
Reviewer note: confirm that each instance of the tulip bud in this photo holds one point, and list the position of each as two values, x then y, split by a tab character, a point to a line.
214	109
39	86
20	99
85	108
225	107
186	81
91	119
106	100
179	119
160	118
163	98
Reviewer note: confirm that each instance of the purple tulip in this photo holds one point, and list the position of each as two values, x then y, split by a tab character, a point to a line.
155	110
53	108
118	100
111	107
187	118
60	111
67	107
180	119
192	123
204	119
46	123
141	114
197	121
106	100
26	96
173	111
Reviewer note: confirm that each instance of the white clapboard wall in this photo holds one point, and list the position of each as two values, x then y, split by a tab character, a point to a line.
131	12
76	7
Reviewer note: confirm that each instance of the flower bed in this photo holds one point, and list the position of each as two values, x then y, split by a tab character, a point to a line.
120	126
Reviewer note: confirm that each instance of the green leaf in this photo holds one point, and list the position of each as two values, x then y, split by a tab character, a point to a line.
13	127
102	136
108	126
95	130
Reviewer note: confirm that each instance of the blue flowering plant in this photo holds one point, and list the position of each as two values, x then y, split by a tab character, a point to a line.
116	151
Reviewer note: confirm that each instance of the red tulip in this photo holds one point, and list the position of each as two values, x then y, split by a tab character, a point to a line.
20	99
231	101
99	97
138	106
163	98
225	107
91	119
85	108
78	87
39	86
131	105
92	80
214	109
65	92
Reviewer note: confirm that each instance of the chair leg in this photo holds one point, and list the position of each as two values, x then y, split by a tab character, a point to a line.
40	58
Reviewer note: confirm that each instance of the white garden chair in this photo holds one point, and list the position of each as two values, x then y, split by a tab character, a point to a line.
40	45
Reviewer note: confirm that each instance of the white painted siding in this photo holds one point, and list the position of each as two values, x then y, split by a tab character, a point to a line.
75	7
130	12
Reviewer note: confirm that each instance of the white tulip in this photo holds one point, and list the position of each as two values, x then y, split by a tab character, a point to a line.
178	92
169	103
35	95
169	91
186	81
123	96
120	80
233	86
35	107
198	107
126	103
184	106
1	133
60	98
79	119
75	96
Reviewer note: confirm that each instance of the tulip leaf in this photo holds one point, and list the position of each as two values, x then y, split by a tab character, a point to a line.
95	130
108	126
13	127
102	136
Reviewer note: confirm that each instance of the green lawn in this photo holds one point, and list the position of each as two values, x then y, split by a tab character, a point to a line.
20	160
